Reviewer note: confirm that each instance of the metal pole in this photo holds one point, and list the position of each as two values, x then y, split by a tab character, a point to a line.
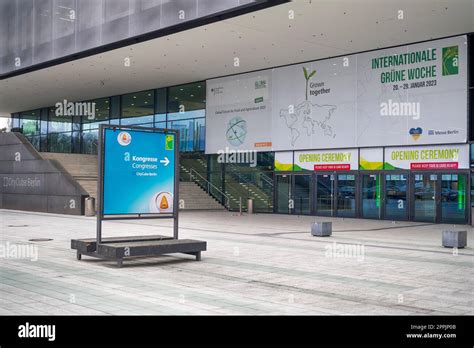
176	185
240	205
100	184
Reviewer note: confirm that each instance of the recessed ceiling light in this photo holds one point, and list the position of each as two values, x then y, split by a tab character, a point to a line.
133	104
180	89
134	97
199	86
191	95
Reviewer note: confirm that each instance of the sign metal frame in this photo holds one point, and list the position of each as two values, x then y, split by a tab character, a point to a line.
100	182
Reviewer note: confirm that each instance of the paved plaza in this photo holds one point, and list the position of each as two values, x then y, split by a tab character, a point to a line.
254	265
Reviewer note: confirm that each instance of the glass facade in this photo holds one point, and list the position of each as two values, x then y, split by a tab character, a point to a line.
178	107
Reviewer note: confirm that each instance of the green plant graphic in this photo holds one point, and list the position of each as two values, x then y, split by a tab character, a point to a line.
308	77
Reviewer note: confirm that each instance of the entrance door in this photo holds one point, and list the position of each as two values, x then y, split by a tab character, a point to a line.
371	188
324	194
396	194
302	194
346	195
453	198
283	193
425	195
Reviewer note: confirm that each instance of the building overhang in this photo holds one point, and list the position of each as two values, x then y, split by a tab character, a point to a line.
288	33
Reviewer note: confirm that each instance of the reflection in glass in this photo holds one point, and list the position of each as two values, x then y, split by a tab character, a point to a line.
140	106
191	134
396	196
90	142
35	141
453	198
283	193
30	122
59	142
346	196
425	195
302	194
324	194
185	98
371	194
58	124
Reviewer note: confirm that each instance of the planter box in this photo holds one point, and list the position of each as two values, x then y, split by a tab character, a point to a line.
454	239
321	229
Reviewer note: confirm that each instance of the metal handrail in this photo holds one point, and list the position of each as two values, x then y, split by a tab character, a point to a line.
209	185
262	175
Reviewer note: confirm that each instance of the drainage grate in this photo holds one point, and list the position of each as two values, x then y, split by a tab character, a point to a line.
39	240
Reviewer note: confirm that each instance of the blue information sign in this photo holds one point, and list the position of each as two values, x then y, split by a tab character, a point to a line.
139	172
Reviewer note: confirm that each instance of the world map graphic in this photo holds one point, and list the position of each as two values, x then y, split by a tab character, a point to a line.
308	119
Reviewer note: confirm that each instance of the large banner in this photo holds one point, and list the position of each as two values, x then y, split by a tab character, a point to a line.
139	172
324	160
427	157
238	112
408	95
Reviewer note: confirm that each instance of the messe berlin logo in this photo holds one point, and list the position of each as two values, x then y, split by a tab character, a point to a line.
236	131
124	138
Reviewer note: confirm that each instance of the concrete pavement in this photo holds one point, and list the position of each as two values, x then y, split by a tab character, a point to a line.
258	264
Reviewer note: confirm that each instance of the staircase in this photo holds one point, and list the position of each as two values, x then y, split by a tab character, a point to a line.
193	197
84	169
240	184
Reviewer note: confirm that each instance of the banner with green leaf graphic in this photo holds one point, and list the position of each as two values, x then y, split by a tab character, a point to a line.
371	158
284	161
389	97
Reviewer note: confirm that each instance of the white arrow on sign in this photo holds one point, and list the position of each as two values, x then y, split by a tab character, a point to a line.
166	161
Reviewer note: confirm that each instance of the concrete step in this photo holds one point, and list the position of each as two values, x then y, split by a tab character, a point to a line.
84	169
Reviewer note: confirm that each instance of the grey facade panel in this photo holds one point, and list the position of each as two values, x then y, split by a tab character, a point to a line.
145	16
30	167
178	11
72	205
25	202
34	32
23	184
35	184
11	152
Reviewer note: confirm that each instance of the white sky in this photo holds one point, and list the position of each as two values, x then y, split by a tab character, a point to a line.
4	121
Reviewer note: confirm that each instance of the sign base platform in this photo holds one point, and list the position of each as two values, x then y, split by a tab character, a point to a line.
119	248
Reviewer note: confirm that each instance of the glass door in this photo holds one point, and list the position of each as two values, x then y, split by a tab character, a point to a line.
283	193
346	195
453	198
324	194
396	194
424	191
371	188
302	194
